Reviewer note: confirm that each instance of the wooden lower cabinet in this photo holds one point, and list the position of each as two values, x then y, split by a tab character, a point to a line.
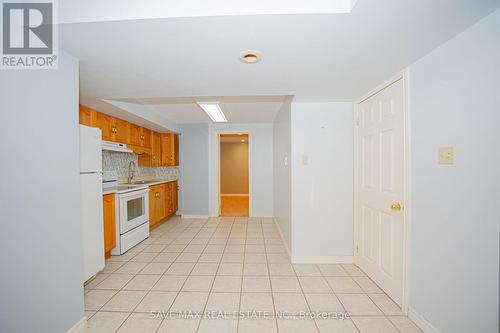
162	202
108	205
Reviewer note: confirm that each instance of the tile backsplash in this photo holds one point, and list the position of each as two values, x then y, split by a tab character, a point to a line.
112	160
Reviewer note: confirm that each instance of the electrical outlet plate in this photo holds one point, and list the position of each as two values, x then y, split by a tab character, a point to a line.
446	156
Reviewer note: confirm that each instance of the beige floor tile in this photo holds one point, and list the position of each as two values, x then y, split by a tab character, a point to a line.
156	301
353	270
96	281
285	284
167	257
306	270
95	299
202	268
230	269
140	323
131	268
324	303
292	304
124	301
154	248
255	269
374	325
223	302
277	258
230	257
188	257
170	283
257	326
198	283
345	284
144	257
256	302
142	282
254	248
155	268
332	270
175	248
115	281
210	257
214	248
291	325
195	248
234	249
179	325
254	284
180	268
255	258
218	326
89	314
227	284
336	326
314	284
387	305
104	322
367	285
281	269
358	304
112	266
404	324
190	301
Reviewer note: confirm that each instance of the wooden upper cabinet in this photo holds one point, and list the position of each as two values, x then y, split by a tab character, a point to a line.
122	131
169	149
87	116
106	124
135	137
156	149
108	204
146	137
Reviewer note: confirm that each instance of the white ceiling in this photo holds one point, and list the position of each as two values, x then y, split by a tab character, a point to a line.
77	11
242	109
327	57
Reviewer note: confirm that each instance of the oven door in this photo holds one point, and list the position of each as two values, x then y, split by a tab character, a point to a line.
134	209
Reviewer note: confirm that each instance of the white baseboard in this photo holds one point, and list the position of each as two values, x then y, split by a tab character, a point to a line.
421	322
282	237
193	216
234	195
79	327
322	260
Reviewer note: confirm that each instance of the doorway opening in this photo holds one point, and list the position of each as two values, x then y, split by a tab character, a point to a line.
234	174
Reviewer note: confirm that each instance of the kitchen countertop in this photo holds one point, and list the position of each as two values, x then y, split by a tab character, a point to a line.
136	187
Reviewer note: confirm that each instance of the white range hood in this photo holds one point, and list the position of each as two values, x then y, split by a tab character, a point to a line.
115	146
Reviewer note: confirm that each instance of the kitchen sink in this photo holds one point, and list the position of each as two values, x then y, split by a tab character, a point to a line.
142	182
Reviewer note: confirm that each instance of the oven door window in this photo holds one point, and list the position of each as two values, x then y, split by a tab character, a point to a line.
135	208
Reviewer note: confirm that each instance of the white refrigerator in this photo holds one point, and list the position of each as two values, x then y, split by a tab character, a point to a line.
91	201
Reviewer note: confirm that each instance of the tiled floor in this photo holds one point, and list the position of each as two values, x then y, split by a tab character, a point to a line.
226	265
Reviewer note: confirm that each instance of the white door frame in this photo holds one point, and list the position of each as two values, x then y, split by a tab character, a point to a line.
217	158
403	75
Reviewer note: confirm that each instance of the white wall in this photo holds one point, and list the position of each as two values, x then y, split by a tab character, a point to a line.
455	99
282	141
322	189
261	166
194	190
40	242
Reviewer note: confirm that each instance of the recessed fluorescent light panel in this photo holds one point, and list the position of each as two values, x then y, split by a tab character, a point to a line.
214	111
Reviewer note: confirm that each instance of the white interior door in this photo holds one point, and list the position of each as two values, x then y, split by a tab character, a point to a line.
380	224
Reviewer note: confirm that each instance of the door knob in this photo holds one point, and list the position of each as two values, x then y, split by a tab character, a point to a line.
396	206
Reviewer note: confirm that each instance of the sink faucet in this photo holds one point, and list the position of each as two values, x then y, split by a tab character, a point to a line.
131	171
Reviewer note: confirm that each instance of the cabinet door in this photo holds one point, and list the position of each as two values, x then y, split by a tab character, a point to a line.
156	149
175	151
135	135
169	200
152	206
105	123
108	204
161	207
175	190
166	149
145	137
87	116
122	131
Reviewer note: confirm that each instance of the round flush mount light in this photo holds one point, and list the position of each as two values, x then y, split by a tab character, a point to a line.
250	57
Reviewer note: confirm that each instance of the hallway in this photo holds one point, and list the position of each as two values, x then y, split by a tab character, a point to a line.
226	265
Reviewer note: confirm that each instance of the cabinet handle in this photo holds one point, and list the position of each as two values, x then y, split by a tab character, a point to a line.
157	194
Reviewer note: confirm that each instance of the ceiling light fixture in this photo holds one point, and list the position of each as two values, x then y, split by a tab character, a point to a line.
214	111
250	57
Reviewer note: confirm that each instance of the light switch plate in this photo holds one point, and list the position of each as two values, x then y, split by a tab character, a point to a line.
446	155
